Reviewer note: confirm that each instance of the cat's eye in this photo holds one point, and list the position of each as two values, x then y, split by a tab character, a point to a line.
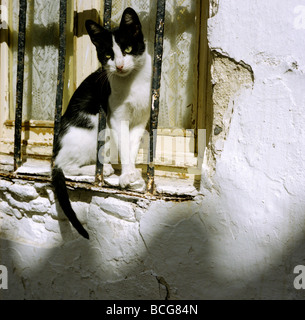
128	49
108	56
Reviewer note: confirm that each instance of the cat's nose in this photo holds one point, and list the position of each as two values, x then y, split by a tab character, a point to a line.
119	67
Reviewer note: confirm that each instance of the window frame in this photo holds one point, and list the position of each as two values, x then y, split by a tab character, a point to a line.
32	130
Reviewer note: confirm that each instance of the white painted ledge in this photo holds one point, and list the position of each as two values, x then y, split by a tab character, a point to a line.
164	185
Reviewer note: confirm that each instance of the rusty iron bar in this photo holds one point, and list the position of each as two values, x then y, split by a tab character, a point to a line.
60	72
107	14
99	176
19	86
155	101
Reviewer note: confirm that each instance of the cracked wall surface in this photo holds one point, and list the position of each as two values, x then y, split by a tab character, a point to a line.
240	238
227	80
124	259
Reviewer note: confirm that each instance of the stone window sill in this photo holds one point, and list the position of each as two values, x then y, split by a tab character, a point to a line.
167	188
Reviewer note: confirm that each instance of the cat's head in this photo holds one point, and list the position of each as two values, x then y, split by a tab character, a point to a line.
120	51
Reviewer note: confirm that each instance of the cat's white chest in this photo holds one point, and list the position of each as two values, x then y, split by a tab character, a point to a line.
133	91
140	93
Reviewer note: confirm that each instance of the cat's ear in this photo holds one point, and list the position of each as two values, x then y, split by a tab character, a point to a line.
95	31
131	22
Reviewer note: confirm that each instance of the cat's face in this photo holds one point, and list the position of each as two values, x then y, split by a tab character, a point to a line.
120	51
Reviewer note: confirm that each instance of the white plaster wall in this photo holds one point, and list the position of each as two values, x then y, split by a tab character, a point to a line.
256	205
240	239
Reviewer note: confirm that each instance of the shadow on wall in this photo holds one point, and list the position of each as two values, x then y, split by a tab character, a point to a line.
175	251
121	262
215	248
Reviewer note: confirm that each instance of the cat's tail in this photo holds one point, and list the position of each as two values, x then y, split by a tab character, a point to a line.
59	183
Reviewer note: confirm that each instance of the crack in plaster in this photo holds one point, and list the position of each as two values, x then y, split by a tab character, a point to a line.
162	282
142	237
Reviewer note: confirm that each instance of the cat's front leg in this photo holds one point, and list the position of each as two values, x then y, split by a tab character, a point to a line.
108	170
127	139
131	177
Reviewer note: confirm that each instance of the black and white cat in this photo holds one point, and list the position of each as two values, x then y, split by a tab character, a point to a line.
123	87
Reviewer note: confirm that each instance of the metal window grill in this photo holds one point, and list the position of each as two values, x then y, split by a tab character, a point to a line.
156	82
20	77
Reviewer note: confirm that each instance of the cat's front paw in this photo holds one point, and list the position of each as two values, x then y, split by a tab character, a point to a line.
108	170
133	180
